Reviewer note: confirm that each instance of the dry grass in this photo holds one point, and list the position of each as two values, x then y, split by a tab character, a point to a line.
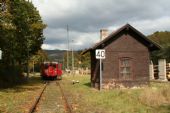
152	99
84	99
156	96
18	99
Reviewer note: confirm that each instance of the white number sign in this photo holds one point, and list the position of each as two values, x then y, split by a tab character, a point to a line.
100	54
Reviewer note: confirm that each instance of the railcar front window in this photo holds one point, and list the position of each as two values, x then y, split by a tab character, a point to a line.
54	65
46	66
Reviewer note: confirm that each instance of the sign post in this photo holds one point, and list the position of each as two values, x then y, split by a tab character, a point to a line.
100	54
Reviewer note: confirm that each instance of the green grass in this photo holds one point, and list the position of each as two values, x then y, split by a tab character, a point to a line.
19	98
85	99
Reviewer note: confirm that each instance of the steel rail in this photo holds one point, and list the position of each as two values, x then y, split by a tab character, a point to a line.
68	108
32	109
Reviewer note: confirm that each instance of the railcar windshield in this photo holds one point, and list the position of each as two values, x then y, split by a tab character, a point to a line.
46	66
54	65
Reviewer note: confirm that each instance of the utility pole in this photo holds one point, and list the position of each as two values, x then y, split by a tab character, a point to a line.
68	47
72	58
63	63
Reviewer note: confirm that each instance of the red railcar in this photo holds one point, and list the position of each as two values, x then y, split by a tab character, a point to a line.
51	70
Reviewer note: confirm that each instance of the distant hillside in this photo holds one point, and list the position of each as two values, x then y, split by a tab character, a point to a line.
82	61
55	54
161	37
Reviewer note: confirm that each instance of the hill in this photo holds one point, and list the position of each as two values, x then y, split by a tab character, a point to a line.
61	56
56	55
163	39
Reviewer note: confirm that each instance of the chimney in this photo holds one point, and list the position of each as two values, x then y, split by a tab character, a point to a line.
103	34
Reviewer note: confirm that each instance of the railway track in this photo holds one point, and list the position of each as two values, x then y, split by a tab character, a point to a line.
67	106
56	85
31	110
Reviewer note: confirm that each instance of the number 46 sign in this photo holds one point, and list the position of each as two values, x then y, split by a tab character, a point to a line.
100	54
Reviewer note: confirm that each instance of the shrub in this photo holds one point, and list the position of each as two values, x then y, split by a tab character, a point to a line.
10	76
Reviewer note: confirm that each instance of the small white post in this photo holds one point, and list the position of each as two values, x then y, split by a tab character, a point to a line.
100	74
162	69
151	71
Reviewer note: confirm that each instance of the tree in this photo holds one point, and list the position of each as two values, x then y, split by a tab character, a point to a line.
21	31
163	39
36	60
21	36
7	29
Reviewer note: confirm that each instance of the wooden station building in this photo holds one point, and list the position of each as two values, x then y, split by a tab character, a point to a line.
127	58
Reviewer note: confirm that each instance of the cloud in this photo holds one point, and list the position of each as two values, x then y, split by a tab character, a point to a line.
148	26
87	17
57	39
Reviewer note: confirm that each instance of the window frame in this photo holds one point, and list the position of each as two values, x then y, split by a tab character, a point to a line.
129	65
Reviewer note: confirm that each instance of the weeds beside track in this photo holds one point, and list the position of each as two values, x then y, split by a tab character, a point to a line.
50	101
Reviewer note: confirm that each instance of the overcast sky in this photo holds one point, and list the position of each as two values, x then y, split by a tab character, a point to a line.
85	18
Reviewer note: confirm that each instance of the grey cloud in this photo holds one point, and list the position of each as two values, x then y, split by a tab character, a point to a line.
86	17
90	16
54	36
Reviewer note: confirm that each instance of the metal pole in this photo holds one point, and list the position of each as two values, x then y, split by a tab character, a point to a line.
72	58
68	47
63	64
100	73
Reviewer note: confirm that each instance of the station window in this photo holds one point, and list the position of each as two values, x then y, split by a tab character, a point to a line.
125	68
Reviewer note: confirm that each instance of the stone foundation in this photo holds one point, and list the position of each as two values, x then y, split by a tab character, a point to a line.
112	84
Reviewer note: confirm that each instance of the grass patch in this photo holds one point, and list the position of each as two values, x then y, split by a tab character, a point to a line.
19	98
84	99
154	98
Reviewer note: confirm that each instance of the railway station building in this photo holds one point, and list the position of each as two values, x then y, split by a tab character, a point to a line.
127	58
